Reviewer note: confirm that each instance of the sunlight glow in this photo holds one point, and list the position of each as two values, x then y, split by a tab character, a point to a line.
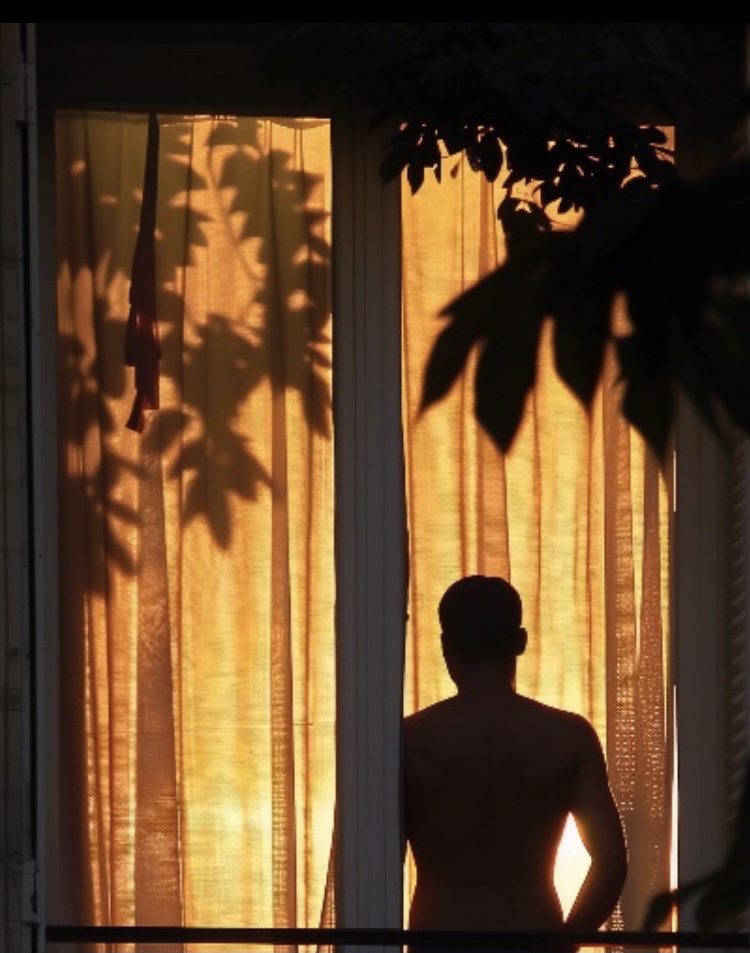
674	857
571	866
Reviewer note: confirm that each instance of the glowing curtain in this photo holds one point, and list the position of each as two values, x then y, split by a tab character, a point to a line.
576	516
197	577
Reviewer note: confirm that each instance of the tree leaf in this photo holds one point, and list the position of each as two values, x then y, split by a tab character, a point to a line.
450	352
506	372
415	176
692	378
661	905
721	343
491	155
648	402
582	324
725	891
490	310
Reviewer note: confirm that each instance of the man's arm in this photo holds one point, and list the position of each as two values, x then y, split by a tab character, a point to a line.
601	831
402	795
407	771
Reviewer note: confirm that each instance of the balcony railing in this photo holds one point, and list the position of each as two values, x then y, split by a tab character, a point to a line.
245	939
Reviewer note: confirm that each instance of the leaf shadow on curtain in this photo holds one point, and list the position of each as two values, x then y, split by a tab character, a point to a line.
129	503
246	363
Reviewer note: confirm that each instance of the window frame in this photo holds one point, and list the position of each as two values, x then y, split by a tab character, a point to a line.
710	607
370	518
712	506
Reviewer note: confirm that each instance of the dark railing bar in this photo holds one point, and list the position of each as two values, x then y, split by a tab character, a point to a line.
394	937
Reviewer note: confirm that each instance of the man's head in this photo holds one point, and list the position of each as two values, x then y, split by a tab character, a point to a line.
480	618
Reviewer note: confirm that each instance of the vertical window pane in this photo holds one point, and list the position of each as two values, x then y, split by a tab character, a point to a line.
197	723
575	515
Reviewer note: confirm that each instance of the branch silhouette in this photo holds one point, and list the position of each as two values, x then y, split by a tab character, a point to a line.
217	453
678	256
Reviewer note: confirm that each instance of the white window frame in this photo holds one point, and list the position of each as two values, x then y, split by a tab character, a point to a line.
711	643
370	531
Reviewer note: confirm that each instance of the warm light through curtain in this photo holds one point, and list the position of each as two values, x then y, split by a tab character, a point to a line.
197	586
576	516
197	581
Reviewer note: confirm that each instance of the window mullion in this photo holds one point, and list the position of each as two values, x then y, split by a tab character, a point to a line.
370	532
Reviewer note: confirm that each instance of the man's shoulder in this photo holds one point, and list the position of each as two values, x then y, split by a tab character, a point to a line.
564	720
428	714
535	716
428	725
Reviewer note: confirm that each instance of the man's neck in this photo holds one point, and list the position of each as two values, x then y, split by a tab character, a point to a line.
487	681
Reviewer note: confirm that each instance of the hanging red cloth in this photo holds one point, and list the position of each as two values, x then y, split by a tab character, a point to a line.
142	347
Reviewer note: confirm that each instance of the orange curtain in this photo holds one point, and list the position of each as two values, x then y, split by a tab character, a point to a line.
576	516
197	588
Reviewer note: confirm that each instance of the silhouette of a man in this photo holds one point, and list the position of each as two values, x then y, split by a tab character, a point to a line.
489	779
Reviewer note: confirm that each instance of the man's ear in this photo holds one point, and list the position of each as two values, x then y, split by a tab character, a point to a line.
522	637
450	661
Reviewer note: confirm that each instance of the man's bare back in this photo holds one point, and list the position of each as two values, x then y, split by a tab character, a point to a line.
490	777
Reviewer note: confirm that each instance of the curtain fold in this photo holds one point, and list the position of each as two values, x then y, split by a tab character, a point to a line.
197	576
575	515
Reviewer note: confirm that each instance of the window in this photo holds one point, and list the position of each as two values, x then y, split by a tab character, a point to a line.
369	538
577	515
197	684
197	659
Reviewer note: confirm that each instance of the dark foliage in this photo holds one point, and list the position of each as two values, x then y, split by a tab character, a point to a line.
679	256
550	103
558	109
722	895
215	453
570	110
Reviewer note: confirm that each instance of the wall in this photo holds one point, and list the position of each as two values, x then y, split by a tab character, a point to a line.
15	684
